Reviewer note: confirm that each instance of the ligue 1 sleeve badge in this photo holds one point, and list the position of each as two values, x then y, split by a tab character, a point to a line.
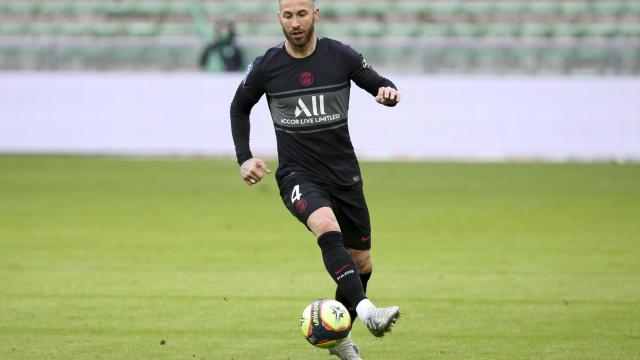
306	79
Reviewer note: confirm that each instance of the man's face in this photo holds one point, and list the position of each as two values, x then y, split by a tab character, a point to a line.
297	18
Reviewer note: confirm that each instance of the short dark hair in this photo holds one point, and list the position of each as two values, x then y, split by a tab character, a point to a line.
312	1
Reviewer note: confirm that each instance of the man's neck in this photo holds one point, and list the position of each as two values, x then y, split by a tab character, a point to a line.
300	53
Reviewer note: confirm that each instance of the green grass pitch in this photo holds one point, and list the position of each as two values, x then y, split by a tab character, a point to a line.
120	258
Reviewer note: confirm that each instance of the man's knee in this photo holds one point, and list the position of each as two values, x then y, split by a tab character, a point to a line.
362	258
322	221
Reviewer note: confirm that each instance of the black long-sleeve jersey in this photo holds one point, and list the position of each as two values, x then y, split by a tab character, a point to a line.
309	102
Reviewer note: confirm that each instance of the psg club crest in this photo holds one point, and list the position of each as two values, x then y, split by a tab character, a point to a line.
306	79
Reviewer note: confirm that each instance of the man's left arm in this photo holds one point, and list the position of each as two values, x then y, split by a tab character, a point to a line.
364	76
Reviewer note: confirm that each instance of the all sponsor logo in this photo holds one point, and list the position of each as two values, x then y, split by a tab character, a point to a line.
310	111
302	107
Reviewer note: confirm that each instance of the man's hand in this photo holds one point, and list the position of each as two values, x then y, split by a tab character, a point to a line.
388	96
253	170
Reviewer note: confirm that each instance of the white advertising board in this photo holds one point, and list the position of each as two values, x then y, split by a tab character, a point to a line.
442	118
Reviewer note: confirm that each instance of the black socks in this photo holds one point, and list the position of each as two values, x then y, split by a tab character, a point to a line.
343	299
343	270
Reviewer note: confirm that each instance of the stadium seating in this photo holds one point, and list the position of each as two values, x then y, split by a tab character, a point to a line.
400	35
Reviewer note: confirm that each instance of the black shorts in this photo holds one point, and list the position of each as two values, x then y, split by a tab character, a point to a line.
302	197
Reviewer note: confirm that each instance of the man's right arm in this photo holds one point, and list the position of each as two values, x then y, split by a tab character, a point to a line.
247	95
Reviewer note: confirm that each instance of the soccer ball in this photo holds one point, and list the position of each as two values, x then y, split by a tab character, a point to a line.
325	322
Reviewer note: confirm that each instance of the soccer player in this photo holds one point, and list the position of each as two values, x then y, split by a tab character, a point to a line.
307	81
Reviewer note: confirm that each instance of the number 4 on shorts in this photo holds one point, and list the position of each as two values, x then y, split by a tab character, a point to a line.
295	194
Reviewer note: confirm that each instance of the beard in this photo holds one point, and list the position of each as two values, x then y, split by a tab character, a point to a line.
300	43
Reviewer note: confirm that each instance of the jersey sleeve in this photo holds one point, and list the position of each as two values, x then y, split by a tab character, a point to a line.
363	74
247	95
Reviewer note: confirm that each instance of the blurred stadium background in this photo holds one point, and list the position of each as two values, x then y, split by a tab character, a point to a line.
483	80
154	257
409	36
